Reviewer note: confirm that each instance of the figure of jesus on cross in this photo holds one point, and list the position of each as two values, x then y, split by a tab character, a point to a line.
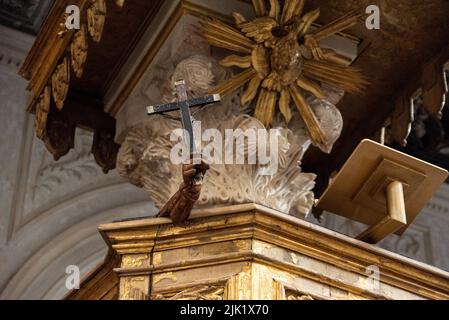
180	205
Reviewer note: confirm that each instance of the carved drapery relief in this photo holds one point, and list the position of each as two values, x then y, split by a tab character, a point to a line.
144	158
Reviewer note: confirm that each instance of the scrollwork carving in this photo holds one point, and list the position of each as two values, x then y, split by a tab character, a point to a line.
203	292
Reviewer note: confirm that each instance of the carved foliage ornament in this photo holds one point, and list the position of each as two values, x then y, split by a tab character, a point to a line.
96	17
78	50
105	150
60	82
60	134
201	292
281	58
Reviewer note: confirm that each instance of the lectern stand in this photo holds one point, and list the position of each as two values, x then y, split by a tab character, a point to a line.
382	188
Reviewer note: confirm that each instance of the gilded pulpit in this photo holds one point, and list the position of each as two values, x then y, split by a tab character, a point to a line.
302	77
252	252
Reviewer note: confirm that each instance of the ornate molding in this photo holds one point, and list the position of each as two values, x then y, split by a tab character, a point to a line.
431	87
134	288
96	17
279	69
51	177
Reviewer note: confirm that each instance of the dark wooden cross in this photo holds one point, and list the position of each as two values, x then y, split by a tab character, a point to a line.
184	105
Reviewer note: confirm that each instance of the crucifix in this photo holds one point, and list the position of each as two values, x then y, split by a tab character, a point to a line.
180	204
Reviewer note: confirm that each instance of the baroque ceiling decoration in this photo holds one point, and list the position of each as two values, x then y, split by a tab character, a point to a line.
282	59
73	60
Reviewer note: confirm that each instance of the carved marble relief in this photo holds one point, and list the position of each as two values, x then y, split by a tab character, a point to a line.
60	82
144	155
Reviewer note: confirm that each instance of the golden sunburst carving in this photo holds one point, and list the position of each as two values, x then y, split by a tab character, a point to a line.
281	58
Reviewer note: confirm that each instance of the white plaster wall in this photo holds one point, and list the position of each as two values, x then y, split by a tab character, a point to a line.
49	211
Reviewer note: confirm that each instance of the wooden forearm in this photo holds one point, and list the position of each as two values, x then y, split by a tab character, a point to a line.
180	205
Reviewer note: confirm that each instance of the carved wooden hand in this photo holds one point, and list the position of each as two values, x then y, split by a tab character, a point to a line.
180	205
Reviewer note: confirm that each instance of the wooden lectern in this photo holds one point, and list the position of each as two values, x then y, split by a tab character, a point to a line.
382	188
